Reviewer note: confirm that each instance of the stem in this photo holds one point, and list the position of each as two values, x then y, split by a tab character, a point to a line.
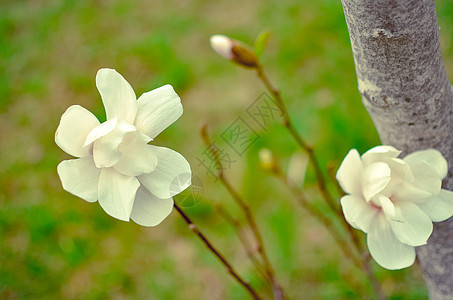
330	226
242	239
299	140
222	259
362	264
298	194
276	288
287	122
373	280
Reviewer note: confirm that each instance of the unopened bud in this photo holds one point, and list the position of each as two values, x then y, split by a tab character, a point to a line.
267	160
234	50
222	45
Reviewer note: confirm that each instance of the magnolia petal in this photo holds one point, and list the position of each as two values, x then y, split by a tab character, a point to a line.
116	193
375	178
157	110
222	45
408	192
385	248
433	157
440	207
379	153
80	177
75	125
100	131
358	212
148	210
386	204
106	151
426	177
117	95
349	173
400	174
172	174
400	169
413	227
137	157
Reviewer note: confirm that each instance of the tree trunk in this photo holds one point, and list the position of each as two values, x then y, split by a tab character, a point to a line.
405	89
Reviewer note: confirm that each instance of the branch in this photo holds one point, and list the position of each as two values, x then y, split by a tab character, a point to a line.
222	259
335	232
242	238
405	89
287	122
276	287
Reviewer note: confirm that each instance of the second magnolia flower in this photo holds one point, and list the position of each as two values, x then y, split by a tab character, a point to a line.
394	200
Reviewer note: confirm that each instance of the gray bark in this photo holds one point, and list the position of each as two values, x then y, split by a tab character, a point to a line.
405	89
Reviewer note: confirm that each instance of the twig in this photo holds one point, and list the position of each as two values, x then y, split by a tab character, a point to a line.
276	288
373	280
242	239
362	263
320	180
278	292
286	120
222	259
330	226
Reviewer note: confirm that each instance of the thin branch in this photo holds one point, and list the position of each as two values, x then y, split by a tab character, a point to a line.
321	217
362	264
276	287
321	181
298	194
288	124
366	265
222	259
242	239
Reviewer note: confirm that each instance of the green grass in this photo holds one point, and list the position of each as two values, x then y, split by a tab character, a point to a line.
56	246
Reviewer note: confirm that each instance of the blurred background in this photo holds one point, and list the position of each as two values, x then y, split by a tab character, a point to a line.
56	246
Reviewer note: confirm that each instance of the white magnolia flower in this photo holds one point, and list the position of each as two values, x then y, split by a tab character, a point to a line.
394	200
116	166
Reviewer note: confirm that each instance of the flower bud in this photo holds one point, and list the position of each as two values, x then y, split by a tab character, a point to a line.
267	160
222	45
234	50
